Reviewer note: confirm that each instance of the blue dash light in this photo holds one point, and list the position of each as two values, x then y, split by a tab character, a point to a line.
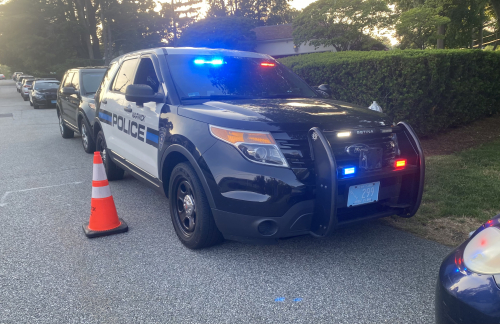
349	171
212	62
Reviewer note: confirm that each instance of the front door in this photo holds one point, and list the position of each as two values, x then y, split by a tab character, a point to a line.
142	121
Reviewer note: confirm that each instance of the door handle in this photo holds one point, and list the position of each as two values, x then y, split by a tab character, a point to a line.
127	109
104	102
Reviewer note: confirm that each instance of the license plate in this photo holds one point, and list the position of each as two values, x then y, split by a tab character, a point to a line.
363	194
53	101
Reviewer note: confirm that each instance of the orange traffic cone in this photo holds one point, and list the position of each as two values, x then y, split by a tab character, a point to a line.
103	217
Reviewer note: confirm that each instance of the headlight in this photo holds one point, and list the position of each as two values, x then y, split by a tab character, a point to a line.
258	147
482	253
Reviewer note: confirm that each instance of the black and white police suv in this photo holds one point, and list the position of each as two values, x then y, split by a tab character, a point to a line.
246	150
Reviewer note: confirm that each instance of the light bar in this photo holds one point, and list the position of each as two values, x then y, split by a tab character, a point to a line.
349	171
399	164
344	134
267	64
212	62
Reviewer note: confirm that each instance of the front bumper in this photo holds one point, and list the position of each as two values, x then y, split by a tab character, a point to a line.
44	102
463	296
256	202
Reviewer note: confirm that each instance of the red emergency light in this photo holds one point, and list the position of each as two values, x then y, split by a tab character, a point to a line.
400	164
267	64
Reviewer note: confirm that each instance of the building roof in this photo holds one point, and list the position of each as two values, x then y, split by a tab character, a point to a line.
274	32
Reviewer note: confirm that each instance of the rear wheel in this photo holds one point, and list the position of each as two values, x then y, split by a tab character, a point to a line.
25	98
112	170
65	131
189	209
87	141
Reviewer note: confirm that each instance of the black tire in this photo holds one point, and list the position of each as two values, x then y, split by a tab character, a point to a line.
196	227
87	140
35	106
65	131
26	98
113	172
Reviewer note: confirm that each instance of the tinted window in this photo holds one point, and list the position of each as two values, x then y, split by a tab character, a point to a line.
91	81
67	81
146	74
46	85
29	82
124	77
202	77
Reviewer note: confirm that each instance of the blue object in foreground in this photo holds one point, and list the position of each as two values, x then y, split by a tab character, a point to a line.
468	287
280	299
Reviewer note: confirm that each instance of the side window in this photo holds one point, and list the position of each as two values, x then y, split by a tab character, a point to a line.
146	74
125	75
67	81
105	81
76	81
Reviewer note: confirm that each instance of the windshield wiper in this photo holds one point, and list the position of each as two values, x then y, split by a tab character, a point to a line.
217	97
285	95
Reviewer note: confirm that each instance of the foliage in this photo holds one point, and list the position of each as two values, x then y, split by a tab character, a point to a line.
223	32
417	27
178	15
340	23
432	90
263	12
5	70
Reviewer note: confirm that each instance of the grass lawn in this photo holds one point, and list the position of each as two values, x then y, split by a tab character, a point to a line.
462	191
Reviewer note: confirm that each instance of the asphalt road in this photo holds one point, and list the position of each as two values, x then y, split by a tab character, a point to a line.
51	273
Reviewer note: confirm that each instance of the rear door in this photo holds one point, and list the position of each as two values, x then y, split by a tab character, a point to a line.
63	102
142	121
73	101
113	106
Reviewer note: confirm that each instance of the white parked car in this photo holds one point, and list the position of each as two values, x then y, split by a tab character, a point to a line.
2	77
20	79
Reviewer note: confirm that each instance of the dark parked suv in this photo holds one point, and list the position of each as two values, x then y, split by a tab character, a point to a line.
246	150
75	103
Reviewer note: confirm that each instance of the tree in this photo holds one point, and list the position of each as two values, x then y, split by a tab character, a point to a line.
263	12
340	23
418	27
178	15
223	32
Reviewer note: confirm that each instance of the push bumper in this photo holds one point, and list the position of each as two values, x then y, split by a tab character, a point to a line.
44	102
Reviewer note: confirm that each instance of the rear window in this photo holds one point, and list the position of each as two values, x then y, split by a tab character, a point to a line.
29	82
91	81
46	85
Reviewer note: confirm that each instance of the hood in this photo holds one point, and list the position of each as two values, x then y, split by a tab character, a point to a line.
285	114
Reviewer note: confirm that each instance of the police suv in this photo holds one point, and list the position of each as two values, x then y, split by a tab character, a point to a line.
246	150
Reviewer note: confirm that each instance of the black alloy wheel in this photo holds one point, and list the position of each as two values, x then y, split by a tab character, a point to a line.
113	172
189	209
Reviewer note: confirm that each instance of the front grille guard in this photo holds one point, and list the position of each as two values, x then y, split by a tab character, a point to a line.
325	218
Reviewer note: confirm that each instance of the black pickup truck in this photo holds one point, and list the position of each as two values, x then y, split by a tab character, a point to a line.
246	150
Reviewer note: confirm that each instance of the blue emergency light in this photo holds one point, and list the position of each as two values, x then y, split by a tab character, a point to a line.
212	62
349	171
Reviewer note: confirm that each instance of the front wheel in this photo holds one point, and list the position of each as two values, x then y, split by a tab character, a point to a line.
112	170
87	141
189	209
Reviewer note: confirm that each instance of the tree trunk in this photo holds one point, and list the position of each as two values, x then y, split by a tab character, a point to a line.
92	25
440	41
496	6
80	8
481	29
174	27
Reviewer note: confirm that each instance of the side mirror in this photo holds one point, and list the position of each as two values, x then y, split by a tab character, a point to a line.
69	91
324	90
141	93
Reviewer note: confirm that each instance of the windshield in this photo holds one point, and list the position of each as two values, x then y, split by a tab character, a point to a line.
231	77
46	85
92	81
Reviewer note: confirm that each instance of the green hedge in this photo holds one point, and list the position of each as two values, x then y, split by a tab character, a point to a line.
432	90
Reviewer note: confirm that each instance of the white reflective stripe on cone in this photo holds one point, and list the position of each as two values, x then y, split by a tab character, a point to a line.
101	192
99	173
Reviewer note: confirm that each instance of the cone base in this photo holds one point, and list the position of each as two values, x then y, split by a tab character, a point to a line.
91	234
